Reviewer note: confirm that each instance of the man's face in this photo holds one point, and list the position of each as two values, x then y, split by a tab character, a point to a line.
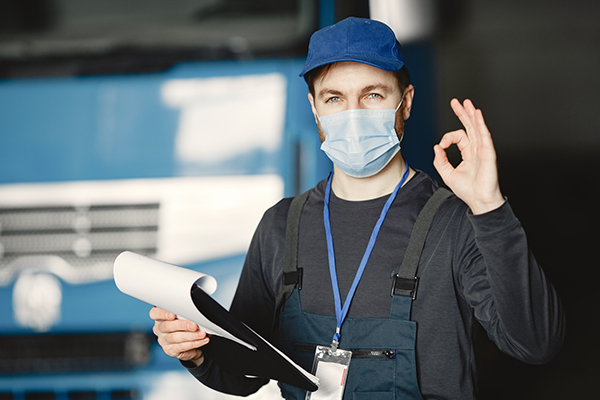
351	85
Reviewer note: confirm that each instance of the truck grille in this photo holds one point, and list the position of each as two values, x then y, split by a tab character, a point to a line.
82	236
38	353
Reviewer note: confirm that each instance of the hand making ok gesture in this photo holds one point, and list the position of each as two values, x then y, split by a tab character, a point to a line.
475	179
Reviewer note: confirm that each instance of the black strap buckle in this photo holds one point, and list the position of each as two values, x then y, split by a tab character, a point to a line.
293	278
405	286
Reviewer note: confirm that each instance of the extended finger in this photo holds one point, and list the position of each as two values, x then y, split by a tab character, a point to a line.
465	113
483	130
469	108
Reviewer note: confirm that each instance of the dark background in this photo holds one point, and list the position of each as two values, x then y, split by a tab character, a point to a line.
533	68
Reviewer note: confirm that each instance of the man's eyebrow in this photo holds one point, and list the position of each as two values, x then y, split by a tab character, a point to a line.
326	91
379	86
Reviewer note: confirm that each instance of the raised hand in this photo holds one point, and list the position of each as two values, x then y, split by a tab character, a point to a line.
178	338
475	179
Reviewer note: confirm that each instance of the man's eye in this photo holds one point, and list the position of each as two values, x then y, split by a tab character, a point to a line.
374	96
332	100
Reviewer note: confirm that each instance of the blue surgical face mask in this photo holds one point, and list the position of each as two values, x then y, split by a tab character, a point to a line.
361	142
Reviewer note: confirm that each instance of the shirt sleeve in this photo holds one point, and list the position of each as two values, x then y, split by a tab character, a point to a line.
254	300
507	289
211	375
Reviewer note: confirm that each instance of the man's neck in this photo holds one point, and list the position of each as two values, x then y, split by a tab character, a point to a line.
381	184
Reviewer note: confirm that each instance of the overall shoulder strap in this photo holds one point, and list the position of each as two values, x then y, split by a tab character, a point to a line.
406	281
292	275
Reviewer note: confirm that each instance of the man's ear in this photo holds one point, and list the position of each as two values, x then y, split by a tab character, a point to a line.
409	94
311	99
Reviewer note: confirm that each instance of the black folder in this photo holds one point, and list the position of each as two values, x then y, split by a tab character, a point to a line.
232	357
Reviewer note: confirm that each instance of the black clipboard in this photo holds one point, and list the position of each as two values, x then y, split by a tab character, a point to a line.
232	357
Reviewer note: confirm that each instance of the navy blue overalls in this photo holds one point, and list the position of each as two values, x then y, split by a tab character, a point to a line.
383	349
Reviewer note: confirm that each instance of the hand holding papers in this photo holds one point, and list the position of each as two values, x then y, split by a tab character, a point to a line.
169	287
186	293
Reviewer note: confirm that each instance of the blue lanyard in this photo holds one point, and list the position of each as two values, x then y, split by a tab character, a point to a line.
339	311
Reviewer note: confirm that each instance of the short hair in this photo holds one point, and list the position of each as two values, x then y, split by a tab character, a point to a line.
402	76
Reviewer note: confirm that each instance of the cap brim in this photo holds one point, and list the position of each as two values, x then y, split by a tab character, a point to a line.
384	65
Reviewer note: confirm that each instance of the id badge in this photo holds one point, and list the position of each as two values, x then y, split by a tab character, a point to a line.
331	367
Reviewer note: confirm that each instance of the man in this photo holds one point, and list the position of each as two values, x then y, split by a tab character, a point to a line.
354	230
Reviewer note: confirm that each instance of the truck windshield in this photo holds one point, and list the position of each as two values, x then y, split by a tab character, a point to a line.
87	31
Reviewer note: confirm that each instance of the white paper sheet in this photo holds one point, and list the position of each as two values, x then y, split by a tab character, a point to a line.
167	286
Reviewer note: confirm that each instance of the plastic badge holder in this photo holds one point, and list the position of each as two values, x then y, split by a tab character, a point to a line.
331	367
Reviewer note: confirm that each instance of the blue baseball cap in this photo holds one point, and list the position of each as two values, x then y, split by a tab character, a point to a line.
355	39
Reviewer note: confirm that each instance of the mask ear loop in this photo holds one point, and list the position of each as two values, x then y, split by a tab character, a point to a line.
397	108
401	101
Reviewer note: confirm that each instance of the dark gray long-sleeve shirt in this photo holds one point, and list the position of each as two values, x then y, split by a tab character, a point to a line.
473	268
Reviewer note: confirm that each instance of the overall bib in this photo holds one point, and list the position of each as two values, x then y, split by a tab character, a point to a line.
383	349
